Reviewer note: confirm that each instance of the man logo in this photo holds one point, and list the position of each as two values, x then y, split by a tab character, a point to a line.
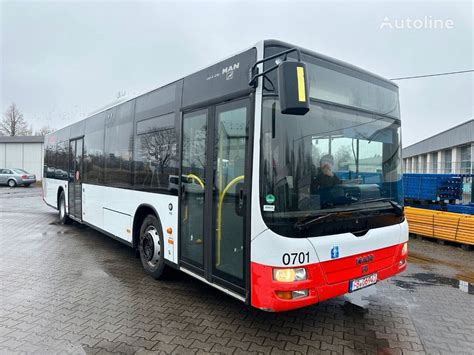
364	259
229	71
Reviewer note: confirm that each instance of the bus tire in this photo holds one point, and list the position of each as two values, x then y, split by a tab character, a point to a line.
63	217
151	247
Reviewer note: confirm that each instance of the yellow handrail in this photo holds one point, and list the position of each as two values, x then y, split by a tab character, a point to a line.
200	182
219	215
195	177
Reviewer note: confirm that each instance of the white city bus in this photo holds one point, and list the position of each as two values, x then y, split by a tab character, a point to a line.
273	175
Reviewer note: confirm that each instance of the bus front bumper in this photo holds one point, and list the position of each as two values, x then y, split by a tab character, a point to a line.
273	296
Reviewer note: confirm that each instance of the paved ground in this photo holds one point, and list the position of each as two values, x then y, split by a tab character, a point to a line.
68	289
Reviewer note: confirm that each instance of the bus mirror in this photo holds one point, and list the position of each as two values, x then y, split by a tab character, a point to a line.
293	88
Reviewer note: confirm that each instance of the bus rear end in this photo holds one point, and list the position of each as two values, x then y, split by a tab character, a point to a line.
330	202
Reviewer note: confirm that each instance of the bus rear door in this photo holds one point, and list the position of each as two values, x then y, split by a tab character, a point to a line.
76	150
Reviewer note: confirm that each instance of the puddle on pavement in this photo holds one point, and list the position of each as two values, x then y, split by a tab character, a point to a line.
359	300
426	260
406	285
431	279
356	307
463	279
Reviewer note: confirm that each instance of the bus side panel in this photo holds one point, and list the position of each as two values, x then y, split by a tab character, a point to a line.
113	209
50	191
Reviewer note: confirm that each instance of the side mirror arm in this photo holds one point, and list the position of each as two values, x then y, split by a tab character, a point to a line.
253	72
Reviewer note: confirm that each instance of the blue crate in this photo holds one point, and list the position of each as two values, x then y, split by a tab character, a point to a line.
432	187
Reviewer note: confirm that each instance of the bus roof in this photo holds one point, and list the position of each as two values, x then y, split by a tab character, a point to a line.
275	42
260	44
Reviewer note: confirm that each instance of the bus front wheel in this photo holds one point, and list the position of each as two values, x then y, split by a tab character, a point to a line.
150	247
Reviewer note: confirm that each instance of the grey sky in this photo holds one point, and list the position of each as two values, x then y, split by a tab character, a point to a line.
62	60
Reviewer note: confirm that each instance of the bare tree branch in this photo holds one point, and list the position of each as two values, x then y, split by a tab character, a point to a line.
44	131
13	123
158	147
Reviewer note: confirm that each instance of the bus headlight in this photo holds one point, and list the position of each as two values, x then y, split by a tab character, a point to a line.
289	275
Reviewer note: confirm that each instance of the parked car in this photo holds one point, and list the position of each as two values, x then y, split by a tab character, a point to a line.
14	177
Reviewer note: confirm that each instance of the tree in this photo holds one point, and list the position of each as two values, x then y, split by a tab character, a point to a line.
159	149
44	131
343	157
13	123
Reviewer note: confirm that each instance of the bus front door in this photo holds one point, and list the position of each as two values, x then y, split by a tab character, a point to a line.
76	148
213	195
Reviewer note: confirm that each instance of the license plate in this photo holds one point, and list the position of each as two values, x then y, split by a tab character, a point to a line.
362	282
31	177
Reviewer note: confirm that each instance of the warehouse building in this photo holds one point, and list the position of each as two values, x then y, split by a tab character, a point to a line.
23	152
451	151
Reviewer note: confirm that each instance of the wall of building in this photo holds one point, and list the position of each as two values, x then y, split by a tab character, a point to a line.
443	152
26	156
435	161
458	135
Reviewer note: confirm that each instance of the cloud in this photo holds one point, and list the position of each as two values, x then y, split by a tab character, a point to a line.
62	60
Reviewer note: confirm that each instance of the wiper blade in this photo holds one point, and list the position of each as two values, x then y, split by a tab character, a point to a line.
304	224
395	205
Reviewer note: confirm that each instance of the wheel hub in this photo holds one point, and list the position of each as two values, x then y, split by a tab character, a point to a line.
151	246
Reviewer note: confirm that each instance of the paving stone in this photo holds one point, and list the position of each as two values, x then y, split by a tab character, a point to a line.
143	343
221	349
77	289
197	344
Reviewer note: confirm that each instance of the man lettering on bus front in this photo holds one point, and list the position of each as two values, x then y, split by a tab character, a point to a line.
325	180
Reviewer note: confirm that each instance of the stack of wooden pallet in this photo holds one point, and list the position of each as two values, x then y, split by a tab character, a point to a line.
455	227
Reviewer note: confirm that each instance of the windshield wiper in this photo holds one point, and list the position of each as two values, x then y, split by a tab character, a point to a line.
395	205
304	224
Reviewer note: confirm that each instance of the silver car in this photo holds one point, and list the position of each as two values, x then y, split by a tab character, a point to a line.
14	177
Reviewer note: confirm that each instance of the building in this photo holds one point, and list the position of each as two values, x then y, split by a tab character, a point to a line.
23	152
451	151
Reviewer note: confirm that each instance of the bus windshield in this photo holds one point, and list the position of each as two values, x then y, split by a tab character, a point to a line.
333	159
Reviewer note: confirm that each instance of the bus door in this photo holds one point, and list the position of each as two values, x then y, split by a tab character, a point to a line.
76	149
214	190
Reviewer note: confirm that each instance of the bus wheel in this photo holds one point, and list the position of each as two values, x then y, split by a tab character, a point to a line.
150	247
63	218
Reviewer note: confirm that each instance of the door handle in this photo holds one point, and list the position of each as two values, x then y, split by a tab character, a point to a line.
240	201
241	198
